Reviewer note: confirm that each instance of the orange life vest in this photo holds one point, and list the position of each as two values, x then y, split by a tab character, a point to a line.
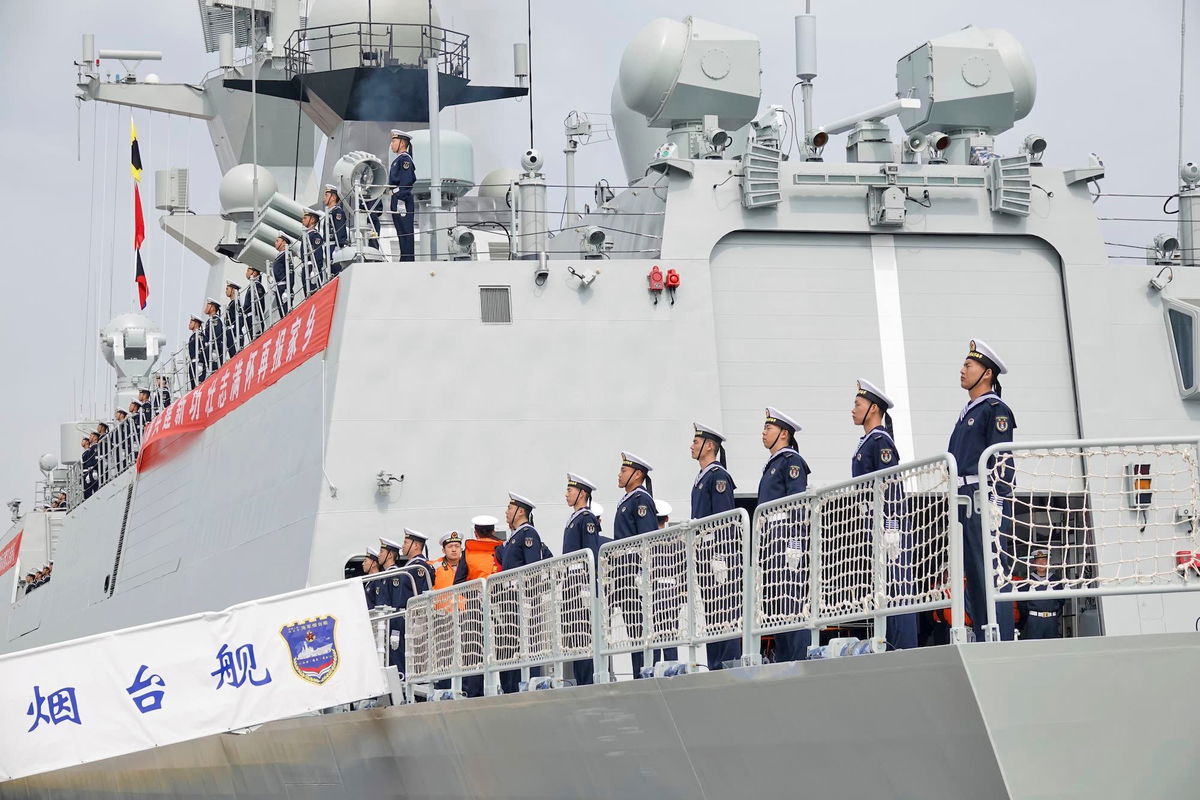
443	573
480	555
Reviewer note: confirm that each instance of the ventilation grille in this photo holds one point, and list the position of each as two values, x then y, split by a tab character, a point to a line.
495	305
498	251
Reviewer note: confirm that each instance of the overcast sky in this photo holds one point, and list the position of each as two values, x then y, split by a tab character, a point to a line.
1108	82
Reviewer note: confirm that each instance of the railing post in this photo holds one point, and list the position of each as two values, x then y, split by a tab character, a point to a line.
751	642
523	624
814	566
456	633
646	590
692	593
599	662
954	502
880	554
986	511
490	677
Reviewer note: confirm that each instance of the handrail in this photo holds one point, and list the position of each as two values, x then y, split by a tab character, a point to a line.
375	44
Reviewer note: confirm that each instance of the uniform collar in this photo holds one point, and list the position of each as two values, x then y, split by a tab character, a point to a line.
877	429
781	451
966	409
577	513
712	465
524	525
630	494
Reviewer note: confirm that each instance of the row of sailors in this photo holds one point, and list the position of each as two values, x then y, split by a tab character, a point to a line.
985	420
226	328
35	580
109	450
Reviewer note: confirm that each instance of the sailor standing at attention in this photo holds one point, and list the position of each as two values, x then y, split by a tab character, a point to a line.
402	175
984	421
197	370
712	493
335	232
636	514
371	567
232	320
408	582
214	335
877	450
582	533
524	545
785	474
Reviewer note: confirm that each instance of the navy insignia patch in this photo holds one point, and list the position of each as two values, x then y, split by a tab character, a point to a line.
395	581
885	455
970	421
643	511
1002	424
794	471
591	527
314	651
721	486
529	541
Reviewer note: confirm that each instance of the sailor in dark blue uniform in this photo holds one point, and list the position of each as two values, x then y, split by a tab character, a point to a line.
877	450
1041	616
581	533
197	363
231	319
402	175
524	545
336	231
371	567
214	335
636	514
984	421
417	577
313	249
717	567
785	474
281	274
583	528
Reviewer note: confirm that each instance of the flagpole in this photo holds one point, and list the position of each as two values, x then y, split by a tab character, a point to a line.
253	101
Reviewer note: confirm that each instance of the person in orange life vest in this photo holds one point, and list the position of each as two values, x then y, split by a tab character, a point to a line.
480	559
446	567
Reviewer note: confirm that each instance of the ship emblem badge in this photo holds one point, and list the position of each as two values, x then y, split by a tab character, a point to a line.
1002	424
529	541
314	651
720	486
642	511
591	527
885	455
794	471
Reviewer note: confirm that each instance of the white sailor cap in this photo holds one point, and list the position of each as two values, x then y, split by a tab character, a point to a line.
874	394
329	187
987	356
777	417
452	537
629	459
1036	554
121	411
389	544
311	212
484	521
258	269
372	551
236	287
216	303
663	507
580	482
708	433
409	533
196	317
399	134
524	502
597	509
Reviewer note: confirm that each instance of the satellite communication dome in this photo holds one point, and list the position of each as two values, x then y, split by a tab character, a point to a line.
675	71
47	462
978	79
495	184
236	192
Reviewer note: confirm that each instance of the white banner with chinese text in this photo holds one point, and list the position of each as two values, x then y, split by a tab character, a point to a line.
167	682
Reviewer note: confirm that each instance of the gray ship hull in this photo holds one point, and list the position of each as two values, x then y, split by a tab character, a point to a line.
1095	718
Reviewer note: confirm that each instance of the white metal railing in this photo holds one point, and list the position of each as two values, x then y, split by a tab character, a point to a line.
446	634
678	587
862	550
1119	516
542	615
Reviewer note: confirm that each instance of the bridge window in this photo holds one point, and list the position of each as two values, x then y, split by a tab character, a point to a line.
1183	322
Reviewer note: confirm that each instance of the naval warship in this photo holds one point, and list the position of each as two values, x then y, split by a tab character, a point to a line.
740	261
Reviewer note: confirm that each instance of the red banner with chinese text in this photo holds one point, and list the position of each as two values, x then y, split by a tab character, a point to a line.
286	345
8	553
